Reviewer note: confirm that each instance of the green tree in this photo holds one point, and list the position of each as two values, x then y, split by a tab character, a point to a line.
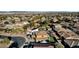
59	45
51	39
5	41
25	27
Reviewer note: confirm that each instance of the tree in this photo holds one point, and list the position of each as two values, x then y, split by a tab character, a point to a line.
51	39
59	45
25	27
5	41
13	21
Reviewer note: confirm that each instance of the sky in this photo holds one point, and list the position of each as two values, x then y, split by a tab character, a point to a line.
39	5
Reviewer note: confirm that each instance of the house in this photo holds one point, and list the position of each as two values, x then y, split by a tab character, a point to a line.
41	35
25	22
77	25
8	18
8	27
75	20
43	19
55	19
16	19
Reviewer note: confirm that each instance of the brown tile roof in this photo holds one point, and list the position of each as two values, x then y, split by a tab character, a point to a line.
42	35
